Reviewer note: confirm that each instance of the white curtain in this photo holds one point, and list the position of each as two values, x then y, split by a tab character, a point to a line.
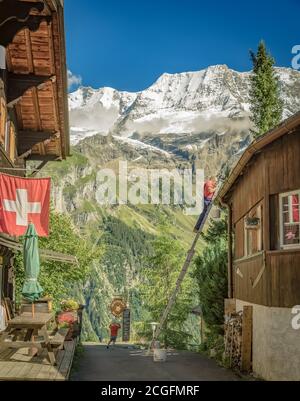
2	310
2	319
2	58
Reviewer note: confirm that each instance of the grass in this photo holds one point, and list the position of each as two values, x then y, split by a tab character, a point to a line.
148	218
59	170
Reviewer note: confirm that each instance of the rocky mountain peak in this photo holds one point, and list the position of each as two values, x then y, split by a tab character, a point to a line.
206	101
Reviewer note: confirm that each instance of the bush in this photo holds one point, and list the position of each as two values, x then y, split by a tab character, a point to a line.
211	278
69	305
57	278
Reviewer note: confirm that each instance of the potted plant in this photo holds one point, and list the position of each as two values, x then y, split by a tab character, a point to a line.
68	317
68	313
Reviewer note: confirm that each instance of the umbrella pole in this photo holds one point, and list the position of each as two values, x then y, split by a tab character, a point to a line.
33	351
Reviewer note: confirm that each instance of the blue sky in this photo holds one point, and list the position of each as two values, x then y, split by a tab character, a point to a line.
129	44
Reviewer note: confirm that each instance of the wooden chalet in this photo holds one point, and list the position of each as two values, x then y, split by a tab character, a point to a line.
34	126
263	197
33	95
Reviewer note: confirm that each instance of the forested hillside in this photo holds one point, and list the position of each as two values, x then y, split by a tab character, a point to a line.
124	234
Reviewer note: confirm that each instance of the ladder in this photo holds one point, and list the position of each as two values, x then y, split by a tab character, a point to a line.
182	274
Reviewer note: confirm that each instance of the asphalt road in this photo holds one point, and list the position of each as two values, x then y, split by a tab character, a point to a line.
126	363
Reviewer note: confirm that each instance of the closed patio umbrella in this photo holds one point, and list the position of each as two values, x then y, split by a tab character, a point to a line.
32	290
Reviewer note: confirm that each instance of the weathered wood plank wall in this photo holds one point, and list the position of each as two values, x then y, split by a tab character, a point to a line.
273	171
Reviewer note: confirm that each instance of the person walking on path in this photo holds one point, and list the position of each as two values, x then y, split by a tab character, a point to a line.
210	187
114	329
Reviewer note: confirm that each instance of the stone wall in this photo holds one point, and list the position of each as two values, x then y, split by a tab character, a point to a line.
276	345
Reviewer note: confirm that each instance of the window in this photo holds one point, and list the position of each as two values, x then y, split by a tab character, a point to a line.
253	243
2	58
290	219
7	132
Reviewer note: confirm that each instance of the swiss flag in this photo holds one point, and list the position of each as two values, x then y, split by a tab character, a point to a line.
24	200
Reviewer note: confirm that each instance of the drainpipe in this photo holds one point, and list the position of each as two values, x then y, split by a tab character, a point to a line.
230	253
230	248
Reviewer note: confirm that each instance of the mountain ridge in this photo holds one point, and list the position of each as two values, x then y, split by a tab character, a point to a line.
189	102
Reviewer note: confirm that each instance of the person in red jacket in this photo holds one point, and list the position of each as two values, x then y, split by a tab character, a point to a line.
114	329
209	190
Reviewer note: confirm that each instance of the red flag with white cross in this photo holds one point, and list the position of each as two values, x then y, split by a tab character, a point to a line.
24	200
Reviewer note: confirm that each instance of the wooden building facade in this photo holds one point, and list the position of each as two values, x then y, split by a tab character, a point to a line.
263	198
34	122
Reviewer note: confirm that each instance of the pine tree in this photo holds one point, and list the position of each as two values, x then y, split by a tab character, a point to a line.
211	274
266	105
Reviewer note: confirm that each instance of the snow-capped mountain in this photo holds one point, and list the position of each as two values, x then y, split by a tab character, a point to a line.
212	100
188	102
96	111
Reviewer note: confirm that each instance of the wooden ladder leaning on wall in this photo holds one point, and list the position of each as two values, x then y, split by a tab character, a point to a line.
183	272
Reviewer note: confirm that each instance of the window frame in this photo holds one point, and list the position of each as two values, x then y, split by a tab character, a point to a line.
8	132
281	234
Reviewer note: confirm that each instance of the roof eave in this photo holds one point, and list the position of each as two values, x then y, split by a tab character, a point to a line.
257	145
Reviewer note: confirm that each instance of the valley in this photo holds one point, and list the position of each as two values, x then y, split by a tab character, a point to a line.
189	120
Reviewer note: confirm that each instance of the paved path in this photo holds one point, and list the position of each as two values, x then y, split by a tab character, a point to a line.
124	363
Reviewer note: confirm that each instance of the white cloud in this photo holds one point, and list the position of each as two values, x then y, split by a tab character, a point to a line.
73	80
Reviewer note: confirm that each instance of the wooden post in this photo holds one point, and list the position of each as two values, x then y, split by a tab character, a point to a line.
265	226
246	363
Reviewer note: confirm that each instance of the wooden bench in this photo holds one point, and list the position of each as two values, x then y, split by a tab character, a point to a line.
34	333
11	344
57	339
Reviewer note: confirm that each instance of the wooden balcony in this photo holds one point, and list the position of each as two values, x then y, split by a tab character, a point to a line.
20	366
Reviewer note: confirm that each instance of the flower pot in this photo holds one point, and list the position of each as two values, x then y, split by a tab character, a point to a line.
69	317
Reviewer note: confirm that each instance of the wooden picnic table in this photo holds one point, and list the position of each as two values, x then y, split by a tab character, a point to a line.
33	333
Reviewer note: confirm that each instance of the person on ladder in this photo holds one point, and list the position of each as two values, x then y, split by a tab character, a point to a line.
210	187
